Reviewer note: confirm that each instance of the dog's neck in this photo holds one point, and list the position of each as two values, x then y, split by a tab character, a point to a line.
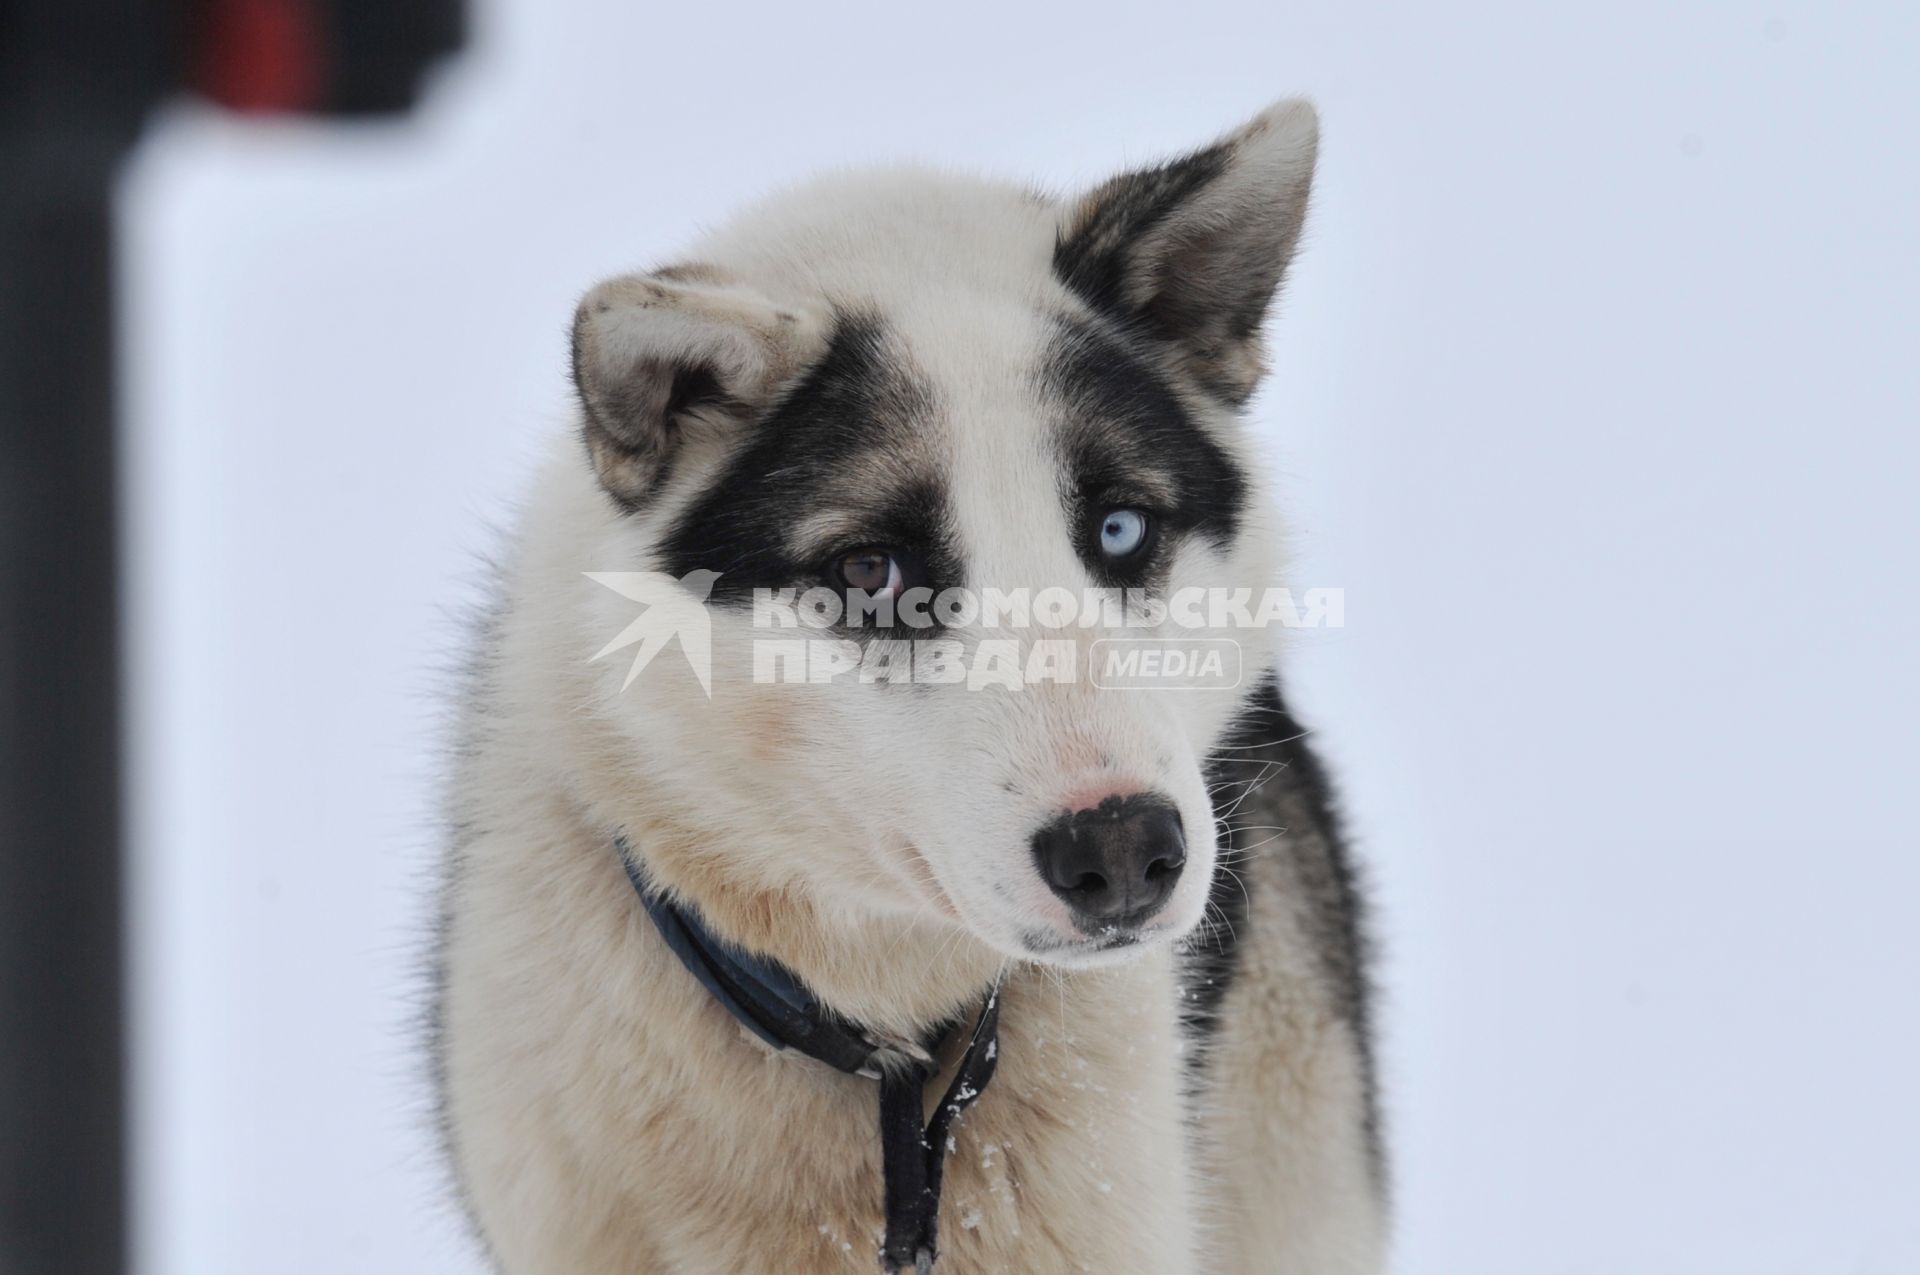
896	972
892	973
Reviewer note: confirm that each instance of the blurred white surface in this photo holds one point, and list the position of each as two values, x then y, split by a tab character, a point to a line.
1595	388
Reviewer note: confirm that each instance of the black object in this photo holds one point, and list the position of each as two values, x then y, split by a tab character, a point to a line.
78	78
775	1005
914	1158
1115	865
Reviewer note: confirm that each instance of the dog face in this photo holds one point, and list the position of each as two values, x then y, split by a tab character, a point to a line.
904	392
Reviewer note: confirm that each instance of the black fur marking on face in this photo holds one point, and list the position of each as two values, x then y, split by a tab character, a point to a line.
1128	441
845	440
1267	776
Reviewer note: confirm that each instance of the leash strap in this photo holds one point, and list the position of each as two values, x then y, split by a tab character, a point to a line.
916	1158
772	1002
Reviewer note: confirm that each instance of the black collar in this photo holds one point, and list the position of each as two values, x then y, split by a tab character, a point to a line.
777	1007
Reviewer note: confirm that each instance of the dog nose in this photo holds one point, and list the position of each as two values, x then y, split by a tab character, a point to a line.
1116	864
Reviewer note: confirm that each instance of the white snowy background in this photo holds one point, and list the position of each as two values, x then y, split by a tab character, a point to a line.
1595	388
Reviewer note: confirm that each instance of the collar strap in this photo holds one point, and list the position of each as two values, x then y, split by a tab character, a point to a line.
770	1001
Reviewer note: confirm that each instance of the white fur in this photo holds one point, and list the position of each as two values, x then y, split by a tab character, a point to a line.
605	1114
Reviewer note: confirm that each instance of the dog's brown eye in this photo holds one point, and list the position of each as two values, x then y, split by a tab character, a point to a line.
871	571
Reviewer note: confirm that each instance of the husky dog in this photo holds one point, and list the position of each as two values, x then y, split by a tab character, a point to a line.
878	383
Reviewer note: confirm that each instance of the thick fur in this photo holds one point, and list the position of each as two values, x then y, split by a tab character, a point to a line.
969	369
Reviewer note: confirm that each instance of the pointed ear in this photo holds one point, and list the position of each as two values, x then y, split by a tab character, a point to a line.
1192	251
668	359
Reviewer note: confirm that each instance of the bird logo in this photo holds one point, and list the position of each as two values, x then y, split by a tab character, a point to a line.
674	608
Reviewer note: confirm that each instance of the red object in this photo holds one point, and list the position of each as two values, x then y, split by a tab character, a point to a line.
261	55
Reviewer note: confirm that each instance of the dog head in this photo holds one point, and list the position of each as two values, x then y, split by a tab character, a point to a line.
930	398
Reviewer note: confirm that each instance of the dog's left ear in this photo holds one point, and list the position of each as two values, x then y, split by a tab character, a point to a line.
1192	251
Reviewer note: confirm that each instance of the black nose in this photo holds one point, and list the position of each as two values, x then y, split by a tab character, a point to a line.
1116	864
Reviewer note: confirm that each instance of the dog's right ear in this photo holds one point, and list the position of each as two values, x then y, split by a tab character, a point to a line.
1190	252
662	360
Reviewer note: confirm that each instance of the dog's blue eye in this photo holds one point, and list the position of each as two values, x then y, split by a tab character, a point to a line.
1122	532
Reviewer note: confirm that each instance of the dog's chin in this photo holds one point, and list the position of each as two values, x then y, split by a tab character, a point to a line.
1046	943
1094	951
1044	940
